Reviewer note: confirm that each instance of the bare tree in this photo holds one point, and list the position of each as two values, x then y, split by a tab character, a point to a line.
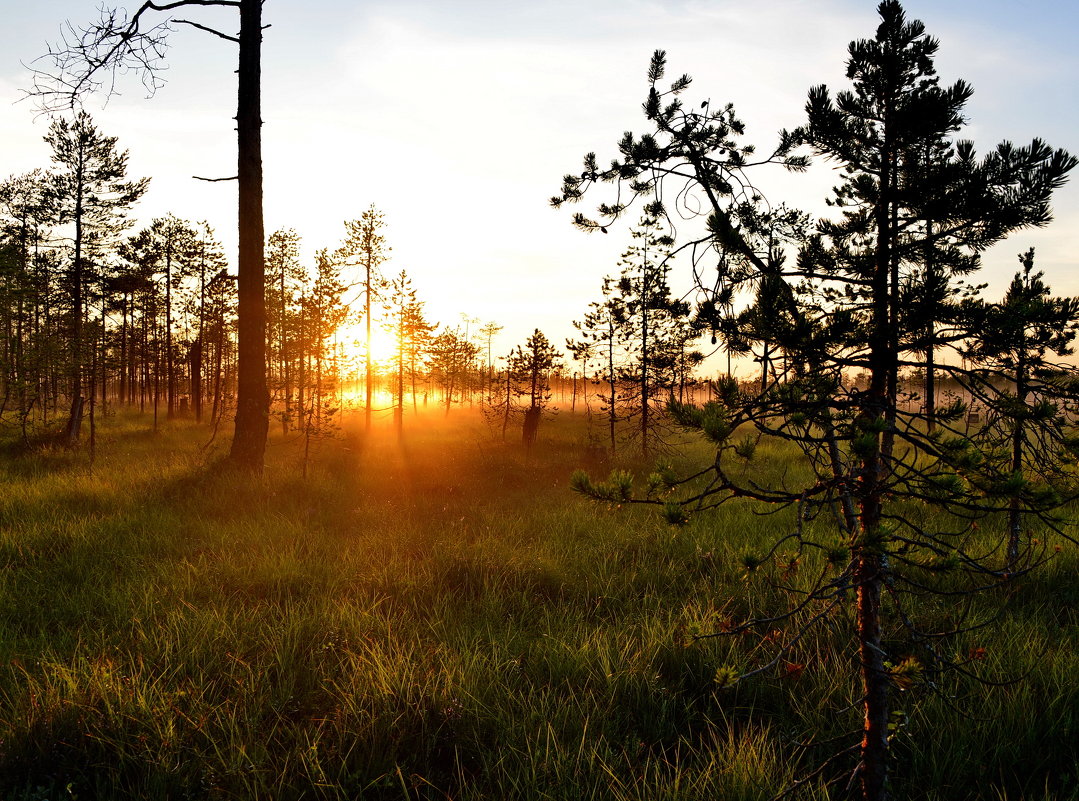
88	59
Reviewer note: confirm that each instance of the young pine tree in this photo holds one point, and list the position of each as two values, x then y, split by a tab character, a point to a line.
530	366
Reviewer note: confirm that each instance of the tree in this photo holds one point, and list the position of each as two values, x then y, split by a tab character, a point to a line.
896	105
846	318
1012	341
89	192
644	332
530	366
488	331
365	244
452	358
209	261
322	314
283	273
26	221
650	323
599	333
410	330
88	60
169	246
418	343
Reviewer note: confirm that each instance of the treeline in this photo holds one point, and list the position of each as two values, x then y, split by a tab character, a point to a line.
96	314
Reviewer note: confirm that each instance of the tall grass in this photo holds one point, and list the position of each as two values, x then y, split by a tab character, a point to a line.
443	618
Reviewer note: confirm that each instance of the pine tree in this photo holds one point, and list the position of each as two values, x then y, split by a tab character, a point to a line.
89	192
530	366
600	336
406	323
1012	340
284	274
209	261
452	358
26	221
365	247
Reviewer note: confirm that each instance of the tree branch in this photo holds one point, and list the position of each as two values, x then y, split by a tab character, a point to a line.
225	36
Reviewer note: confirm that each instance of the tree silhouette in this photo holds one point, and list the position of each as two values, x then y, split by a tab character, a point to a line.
283	274
31	343
365	247
209	260
530	365
487	332
410	330
452	356
1012	341
323	312
89	192
599	335
650	324
169	246
643	334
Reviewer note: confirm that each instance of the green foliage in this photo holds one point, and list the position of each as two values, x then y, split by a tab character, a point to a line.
746	447
907	673
580	481
674	514
618	488
725	677
751	561
662	480
711	419
838	554
949	485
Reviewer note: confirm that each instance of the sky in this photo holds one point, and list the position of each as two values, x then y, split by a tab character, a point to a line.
459	120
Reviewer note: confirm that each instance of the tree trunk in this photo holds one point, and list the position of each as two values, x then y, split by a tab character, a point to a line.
196	366
645	399
1015	513
123	349
170	368
871	562
892	232
74	421
531	426
400	408
286	418
875	678
252	397
367	368
509	391
930	385
612	416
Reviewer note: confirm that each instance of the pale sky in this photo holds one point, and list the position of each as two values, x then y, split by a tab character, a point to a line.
459	120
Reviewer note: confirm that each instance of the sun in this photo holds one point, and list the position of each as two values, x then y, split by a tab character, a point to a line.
353	341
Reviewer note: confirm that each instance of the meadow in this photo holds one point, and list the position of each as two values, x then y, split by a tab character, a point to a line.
444	618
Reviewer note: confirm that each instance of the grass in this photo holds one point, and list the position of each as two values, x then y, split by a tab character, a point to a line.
445	619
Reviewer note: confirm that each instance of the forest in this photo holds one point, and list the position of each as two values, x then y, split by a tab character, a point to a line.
806	529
